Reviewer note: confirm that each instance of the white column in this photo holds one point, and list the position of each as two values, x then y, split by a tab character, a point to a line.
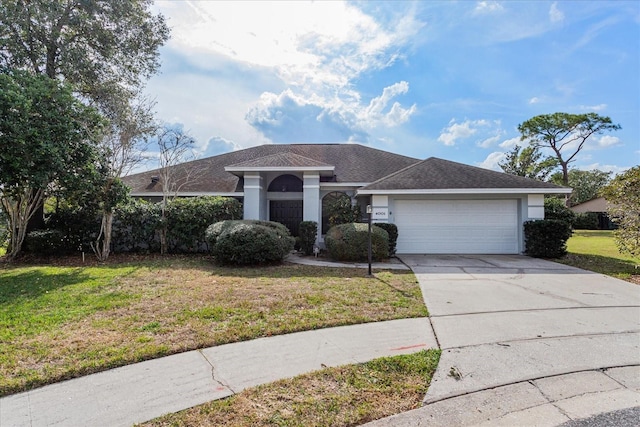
253	195
535	206
311	197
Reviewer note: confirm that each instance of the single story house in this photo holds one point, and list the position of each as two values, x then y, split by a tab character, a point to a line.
599	207
439	206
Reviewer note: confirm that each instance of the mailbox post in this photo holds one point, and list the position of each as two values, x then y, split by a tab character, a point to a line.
370	212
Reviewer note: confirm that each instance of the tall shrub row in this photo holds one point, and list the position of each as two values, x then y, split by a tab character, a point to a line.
136	225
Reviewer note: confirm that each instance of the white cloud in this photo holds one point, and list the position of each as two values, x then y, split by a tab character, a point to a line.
608	141
219	145
492	160
534	100
510	143
492	140
312	50
456	131
555	14
605	168
397	115
488	7
598	107
305	43
291	117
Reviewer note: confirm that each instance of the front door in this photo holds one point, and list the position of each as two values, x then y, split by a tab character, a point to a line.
287	212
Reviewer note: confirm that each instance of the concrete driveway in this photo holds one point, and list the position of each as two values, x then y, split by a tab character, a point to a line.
505	319
526	334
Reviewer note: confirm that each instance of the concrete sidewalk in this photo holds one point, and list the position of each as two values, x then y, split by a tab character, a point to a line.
526	342
143	391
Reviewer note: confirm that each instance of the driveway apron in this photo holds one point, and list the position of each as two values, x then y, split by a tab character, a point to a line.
505	319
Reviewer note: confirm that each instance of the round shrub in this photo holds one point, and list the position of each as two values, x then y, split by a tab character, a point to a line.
349	242
392	230
249	242
546	238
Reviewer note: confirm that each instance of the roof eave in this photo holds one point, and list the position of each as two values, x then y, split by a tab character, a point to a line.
560	190
188	194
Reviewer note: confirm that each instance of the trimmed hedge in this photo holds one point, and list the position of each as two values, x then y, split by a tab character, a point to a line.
48	242
136	224
308	232
134	227
249	242
586	221
349	242
546	238
188	219
554	208
392	230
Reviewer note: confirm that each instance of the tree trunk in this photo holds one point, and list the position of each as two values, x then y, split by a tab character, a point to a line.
102	247
20	211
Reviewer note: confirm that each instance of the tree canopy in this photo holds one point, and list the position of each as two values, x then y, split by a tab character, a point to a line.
526	162
48	142
98	46
565	134
586	185
623	197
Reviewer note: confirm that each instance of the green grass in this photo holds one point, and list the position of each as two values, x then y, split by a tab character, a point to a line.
344	396
60	322
595	250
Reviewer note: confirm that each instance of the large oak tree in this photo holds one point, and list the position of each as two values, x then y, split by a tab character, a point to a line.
100	47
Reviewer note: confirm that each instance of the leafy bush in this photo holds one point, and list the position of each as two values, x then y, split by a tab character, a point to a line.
188	219
349	242
79	226
546	238
48	242
308	233
392	230
586	221
555	208
249	242
134	226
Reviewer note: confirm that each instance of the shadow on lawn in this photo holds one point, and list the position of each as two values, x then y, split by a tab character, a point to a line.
602	264
34	282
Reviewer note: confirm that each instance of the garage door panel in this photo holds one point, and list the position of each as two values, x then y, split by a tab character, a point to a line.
457	226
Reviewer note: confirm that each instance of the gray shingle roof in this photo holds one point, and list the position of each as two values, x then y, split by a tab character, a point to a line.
354	163
438	174
286	160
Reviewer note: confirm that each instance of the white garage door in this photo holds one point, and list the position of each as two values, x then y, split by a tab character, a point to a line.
457	226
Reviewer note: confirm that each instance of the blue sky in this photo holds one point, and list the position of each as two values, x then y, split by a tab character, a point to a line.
449	79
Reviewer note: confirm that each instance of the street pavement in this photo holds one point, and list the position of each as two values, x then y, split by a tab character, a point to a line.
524	342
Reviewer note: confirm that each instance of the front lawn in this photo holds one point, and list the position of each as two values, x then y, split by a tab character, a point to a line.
343	396
59	322
596	250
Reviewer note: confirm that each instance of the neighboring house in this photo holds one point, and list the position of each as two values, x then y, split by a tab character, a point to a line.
439	206
599	207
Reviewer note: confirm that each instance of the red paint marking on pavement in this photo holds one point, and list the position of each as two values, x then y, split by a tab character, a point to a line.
408	347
